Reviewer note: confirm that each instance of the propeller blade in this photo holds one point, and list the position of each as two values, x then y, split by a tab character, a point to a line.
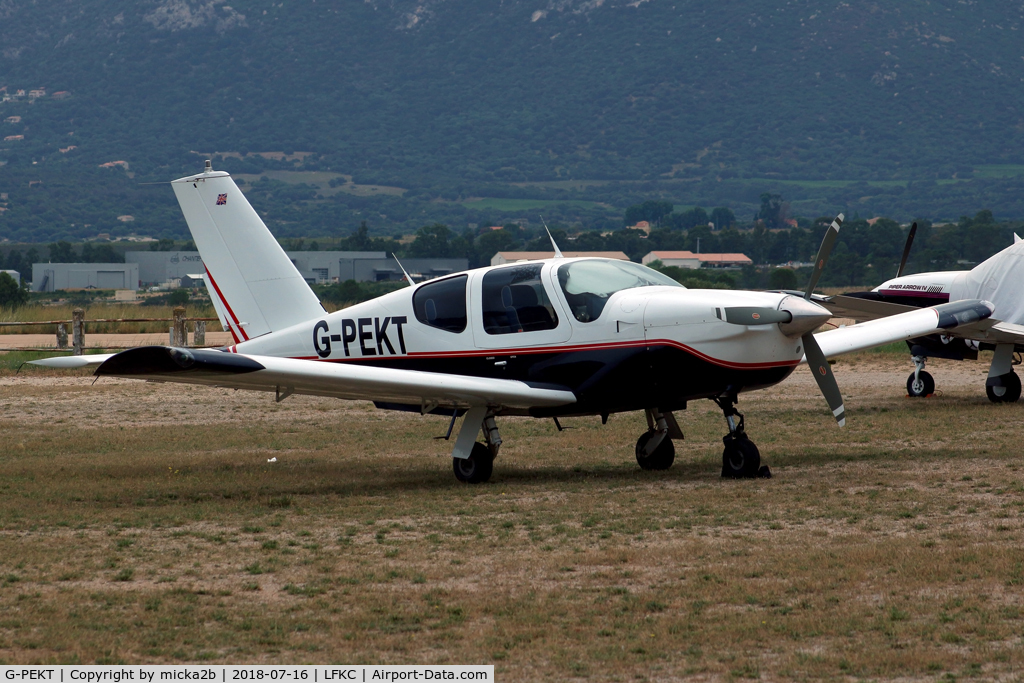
906	248
822	372
823	253
756	315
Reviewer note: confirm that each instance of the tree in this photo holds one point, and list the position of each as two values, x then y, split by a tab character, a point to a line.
62	252
773	211
163	244
651	211
15	262
722	217
437	241
11	295
782	278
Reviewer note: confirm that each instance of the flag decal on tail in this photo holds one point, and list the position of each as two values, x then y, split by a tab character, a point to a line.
222	199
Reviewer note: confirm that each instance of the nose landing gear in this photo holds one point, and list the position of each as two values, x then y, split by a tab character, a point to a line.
920	383
740	459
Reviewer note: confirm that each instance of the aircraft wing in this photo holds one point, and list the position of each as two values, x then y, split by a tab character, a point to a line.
989	330
860	308
951	318
286	376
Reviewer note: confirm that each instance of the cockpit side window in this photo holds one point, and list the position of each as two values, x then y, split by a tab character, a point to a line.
514	300
588	284
442	304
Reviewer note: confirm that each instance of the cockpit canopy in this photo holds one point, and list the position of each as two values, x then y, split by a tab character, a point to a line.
588	284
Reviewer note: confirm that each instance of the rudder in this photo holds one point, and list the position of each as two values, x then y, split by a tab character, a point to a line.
255	287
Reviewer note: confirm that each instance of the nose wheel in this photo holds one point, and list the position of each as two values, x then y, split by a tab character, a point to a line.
740	458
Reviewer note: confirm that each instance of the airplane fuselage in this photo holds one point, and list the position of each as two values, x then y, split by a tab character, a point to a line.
656	345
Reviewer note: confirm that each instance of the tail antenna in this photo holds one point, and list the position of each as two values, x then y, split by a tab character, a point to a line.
407	277
558	252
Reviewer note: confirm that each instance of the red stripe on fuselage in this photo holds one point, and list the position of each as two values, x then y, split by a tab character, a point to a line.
228	307
476	353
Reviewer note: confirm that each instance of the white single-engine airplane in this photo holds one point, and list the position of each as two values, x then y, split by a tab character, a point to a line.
552	338
999	280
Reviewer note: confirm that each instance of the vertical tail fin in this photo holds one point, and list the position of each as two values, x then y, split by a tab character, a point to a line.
255	287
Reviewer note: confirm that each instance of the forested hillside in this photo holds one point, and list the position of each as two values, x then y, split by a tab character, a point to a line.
903	109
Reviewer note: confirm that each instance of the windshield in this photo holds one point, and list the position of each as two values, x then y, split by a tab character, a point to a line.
588	284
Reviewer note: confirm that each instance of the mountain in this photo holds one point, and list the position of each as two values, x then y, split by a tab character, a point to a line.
701	101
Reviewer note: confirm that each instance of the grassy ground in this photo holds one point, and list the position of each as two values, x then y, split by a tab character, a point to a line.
143	523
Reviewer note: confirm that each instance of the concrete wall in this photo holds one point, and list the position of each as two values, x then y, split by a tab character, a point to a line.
156	267
379	270
49	277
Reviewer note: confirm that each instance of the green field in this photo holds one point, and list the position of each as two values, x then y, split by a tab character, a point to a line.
498	204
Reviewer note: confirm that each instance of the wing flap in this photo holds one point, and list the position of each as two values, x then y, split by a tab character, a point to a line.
317	378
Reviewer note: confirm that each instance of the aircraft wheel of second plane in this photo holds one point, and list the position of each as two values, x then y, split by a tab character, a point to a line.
1008	393
477	468
662	457
920	386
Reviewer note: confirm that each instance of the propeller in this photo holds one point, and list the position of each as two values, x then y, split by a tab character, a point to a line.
906	248
816	360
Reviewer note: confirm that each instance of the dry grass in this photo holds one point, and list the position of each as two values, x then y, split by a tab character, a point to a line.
143	523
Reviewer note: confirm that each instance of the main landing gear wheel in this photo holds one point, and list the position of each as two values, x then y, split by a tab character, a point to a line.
477	467
1009	392
920	386
740	459
662	457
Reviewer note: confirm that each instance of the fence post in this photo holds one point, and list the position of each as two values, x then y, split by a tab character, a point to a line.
78	331
180	336
62	336
199	337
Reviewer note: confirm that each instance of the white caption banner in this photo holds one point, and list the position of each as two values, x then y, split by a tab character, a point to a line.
218	673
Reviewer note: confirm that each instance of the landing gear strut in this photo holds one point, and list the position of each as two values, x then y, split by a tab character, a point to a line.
1003	384
740	459
476	466
920	383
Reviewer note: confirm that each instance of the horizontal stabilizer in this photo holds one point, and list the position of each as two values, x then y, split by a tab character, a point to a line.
70	362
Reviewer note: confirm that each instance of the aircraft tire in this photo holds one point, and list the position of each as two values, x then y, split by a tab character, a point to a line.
662	457
924	386
1011	383
475	469
740	459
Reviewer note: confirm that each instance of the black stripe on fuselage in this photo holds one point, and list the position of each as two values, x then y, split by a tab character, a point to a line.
615	379
922	300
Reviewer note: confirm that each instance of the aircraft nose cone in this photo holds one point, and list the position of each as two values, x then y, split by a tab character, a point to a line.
807	316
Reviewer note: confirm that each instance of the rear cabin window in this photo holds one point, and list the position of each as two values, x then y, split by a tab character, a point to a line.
442	304
514	301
